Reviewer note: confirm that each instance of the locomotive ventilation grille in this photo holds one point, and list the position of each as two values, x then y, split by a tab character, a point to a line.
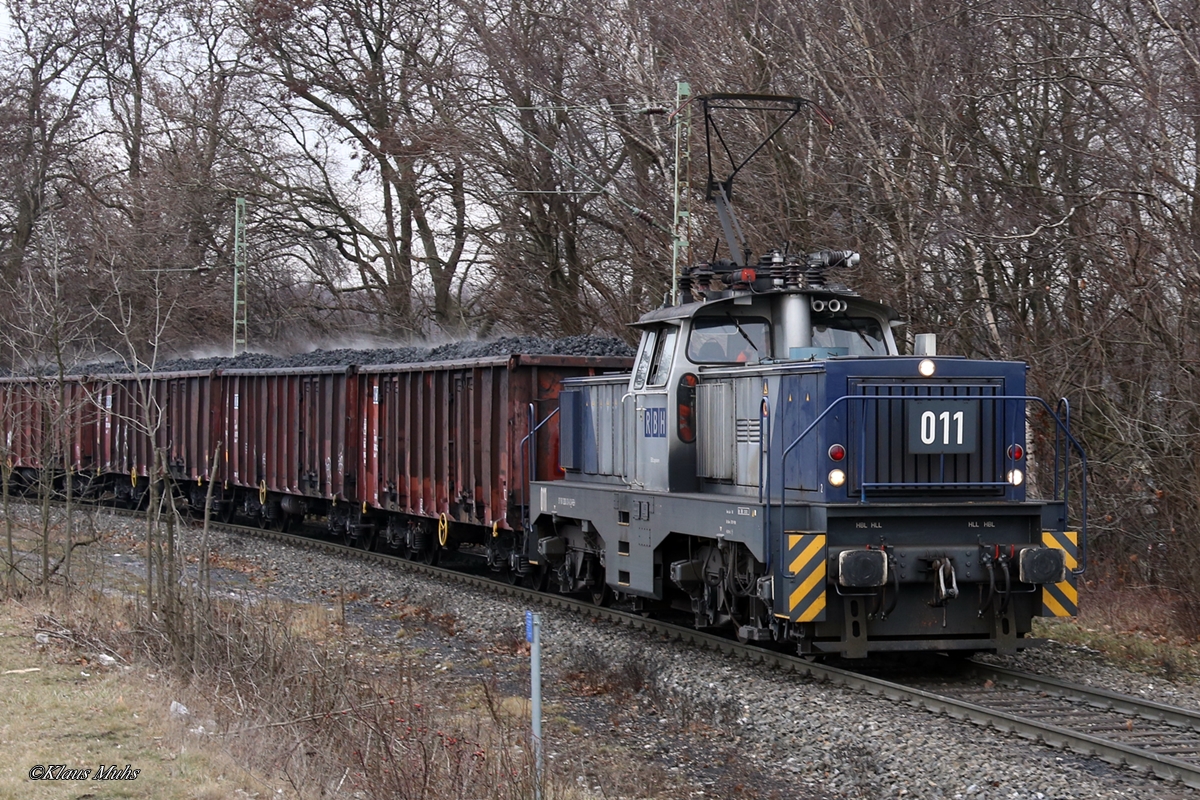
749	431
960	449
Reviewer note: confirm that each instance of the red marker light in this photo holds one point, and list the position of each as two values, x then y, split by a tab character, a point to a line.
686	411
837	452
1016	452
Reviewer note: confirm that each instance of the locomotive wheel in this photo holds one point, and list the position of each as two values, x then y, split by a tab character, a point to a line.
600	594
535	579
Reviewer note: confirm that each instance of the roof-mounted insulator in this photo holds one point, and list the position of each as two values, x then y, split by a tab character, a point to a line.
818	262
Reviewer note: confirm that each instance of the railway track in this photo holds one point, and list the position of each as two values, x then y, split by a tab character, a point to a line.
1116	727
1149	737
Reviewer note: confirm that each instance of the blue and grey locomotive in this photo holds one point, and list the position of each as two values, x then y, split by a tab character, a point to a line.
775	466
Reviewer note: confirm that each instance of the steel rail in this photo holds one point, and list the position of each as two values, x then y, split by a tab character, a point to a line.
1128	705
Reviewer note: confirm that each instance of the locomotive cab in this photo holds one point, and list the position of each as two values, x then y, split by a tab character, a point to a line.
686	349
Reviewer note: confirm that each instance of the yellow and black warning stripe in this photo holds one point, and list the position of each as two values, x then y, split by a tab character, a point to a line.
1062	599
806	570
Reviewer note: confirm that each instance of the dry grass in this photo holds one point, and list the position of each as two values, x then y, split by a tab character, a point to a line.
287	690
78	712
1134	624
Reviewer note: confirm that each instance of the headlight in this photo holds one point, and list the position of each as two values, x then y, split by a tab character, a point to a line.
836	477
926	368
1016	477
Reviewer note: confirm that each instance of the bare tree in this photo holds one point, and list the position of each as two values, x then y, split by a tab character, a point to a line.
49	59
366	96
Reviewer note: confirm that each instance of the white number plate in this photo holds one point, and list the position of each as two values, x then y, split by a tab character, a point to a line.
942	426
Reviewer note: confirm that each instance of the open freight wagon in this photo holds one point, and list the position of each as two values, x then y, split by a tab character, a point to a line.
406	455
415	457
47	425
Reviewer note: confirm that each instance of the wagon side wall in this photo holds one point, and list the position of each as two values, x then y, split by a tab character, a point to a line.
451	439
290	431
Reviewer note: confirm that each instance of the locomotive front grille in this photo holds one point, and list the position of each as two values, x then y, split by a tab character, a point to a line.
931	437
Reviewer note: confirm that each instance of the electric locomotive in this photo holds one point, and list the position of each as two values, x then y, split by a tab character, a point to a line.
775	466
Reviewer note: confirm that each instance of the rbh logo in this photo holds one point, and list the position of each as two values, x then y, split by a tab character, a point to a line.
654	423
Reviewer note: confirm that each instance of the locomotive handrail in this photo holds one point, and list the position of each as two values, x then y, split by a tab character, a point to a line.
1061	430
1064	404
528	466
630	441
764	469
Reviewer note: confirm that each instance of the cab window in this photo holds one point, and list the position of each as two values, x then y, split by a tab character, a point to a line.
664	354
642	370
729	340
858	336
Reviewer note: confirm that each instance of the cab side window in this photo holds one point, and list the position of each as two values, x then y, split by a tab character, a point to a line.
660	367
642	370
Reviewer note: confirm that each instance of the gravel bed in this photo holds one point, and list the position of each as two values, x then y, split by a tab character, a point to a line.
702	714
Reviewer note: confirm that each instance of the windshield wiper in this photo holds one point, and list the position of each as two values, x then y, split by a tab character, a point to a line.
860	331
745	335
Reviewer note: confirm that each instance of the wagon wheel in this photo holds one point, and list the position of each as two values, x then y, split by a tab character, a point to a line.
430	554
281	523
367	536
228	510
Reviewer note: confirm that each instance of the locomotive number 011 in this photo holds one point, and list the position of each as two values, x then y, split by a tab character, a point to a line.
942	426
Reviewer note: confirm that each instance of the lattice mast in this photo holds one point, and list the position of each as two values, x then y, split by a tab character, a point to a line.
240	310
